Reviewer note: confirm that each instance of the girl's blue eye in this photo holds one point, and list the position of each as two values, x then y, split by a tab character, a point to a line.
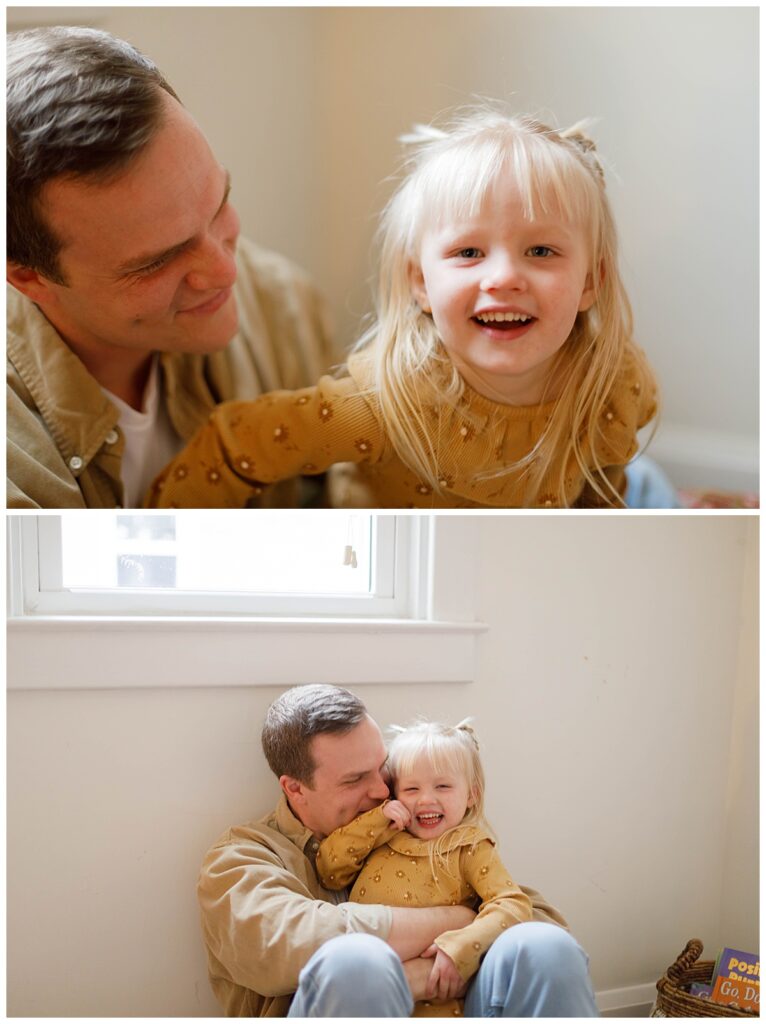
541	250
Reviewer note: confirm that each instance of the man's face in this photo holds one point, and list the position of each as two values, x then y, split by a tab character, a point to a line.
349	779
148	258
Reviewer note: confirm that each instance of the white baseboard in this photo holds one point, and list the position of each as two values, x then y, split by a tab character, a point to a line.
711	459
621	998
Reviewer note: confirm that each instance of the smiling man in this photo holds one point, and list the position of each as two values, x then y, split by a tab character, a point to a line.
135	307
279	944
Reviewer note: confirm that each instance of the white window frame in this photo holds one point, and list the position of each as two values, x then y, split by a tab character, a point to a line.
39	591
435	641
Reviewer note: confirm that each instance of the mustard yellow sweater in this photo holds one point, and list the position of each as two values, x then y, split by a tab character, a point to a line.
246	445
394	868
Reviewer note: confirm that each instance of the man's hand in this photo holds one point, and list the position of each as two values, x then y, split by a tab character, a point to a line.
398	814
445	981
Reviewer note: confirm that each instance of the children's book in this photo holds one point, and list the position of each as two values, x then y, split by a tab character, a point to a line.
733	963
700	991
736	979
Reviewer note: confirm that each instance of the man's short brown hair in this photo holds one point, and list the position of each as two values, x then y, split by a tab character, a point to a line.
80	103
300	714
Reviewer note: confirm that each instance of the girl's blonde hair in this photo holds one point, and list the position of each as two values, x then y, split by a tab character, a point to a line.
449	748
452	170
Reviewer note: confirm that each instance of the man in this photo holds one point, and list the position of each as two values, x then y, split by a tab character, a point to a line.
279	944
134	305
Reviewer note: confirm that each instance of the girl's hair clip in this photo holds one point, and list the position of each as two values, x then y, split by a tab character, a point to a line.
465	726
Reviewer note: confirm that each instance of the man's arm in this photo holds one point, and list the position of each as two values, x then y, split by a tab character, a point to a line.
262	915
413	929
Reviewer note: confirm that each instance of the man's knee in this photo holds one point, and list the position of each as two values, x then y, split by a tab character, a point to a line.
533	970
353	976
355	956
541	947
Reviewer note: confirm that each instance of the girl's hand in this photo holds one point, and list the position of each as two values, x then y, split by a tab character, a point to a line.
398	814
445	981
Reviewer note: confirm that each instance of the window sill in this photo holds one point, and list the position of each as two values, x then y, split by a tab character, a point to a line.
235	651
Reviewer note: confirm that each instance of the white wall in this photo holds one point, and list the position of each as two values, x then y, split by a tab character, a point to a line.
304	106
613	699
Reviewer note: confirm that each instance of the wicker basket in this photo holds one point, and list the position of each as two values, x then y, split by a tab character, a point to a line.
674	1001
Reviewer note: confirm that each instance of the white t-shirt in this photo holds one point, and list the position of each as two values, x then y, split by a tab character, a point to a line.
150	440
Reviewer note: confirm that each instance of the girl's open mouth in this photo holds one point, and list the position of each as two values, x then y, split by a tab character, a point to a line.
429	820
505	325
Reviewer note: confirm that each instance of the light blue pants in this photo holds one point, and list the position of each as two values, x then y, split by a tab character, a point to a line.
648	486
532	970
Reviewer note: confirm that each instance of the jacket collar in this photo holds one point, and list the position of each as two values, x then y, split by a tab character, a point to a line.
73	407
290	826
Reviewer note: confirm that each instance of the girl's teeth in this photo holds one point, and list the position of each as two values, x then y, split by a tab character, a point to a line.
487	318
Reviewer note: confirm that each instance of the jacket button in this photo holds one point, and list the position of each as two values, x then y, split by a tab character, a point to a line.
112	437
75	463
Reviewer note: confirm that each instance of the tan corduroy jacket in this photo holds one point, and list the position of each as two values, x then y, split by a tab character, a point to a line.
245	446
265	913
64	448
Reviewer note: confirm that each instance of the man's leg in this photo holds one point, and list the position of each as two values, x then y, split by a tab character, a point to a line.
353	976
532	970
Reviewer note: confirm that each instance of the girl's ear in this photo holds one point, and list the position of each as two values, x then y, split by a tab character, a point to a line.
471	798
588	296
418	288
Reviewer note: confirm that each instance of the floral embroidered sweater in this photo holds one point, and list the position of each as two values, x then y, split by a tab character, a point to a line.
394	868
245	446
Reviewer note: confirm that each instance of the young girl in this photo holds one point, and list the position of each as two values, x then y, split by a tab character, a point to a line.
500	370
445	856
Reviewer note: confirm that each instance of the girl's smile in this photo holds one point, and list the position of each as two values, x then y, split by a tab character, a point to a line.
504	292
504	325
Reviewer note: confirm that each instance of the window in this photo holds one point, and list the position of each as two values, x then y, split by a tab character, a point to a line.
278	563
106	600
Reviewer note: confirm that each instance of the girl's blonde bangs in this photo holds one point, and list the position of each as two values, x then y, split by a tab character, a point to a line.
456	182
445	753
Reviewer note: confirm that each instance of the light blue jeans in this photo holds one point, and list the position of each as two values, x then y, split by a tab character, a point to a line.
648	486
532	970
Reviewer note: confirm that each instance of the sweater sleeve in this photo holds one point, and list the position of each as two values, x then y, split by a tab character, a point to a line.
246	445
503	904
342	854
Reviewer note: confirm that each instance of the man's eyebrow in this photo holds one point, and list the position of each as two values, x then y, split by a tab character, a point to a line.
349	776
164	254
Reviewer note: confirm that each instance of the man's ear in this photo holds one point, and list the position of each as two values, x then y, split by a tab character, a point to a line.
292	789
30	283
418	288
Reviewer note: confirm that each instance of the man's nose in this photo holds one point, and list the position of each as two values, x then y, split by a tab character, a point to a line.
379	789
503	272
214	267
